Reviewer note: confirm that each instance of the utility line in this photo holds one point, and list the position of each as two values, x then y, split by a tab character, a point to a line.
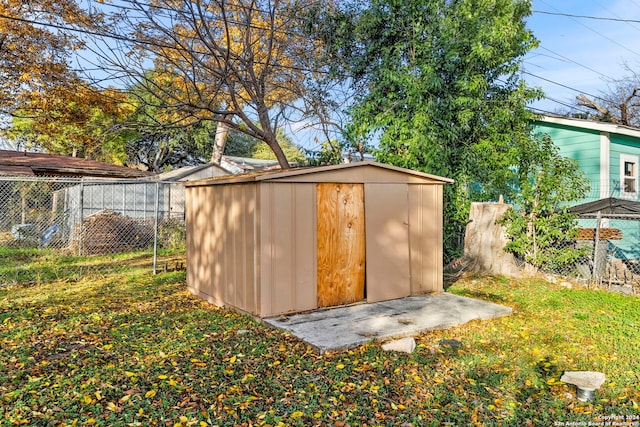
571	106
562	85
631	24
571	15
593	30
575	62
118	37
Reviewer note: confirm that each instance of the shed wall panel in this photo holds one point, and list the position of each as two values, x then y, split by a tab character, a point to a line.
240	204
200	251
287	249
305	247
219	242
387	241
425	238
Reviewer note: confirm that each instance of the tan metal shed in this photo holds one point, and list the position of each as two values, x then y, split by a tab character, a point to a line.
301	239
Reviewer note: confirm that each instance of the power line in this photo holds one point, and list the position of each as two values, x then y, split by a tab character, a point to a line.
593	30
571	106
119	37
562	85
575	62
598	18
616	15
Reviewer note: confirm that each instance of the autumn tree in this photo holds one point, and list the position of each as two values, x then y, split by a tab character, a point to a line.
242	64
293	153
34	55
73	119
52	108
437	83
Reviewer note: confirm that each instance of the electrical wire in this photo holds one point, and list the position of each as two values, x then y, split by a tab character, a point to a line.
631	24
571	15
561	85
592	29
575	62
119	37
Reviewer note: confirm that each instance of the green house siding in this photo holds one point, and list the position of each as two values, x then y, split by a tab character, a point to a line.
584	144
581	145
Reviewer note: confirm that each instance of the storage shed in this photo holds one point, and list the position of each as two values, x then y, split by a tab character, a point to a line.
302	239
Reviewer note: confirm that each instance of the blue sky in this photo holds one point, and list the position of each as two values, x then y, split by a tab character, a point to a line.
582	54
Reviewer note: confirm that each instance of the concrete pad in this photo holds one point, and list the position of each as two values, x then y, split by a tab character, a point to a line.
347	327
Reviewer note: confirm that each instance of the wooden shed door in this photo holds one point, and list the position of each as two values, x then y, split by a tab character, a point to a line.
341	244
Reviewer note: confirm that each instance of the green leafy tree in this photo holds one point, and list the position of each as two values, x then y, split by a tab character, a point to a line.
242	145
539	225
433	81
330	153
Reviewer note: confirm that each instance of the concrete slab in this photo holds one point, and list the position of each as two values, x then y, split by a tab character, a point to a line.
347	327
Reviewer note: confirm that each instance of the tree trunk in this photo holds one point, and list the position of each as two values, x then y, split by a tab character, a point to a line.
277	150
222	131
485	239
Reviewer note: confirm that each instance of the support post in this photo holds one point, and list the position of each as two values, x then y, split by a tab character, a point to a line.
155	229
599	258
81	224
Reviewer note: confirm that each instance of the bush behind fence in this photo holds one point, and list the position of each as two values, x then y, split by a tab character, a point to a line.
608	253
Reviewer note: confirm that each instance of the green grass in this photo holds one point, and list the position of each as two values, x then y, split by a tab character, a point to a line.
125	348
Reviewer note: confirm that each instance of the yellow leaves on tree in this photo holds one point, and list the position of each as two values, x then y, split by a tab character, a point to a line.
71	119
33	56
236	62
53	108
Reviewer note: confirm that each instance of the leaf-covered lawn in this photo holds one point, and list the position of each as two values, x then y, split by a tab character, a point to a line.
127	348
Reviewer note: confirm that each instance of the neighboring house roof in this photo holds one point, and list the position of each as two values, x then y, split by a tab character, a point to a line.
189	173
25	163
229	165
295	173
237	165
609	206
591	125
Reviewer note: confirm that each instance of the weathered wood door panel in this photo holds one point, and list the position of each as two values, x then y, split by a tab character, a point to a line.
341	244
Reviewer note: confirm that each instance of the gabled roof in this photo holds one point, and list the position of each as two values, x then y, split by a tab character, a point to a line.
230	165
25	163
186	173
591	125
239	165
607	207
332	173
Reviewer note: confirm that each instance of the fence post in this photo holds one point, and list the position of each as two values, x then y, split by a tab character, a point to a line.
598	260
81	210
155	229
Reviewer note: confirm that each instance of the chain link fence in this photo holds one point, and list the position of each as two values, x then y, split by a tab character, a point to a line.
91	216
605	253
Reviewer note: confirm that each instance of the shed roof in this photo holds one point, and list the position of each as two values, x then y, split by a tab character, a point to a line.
333	173
25	163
